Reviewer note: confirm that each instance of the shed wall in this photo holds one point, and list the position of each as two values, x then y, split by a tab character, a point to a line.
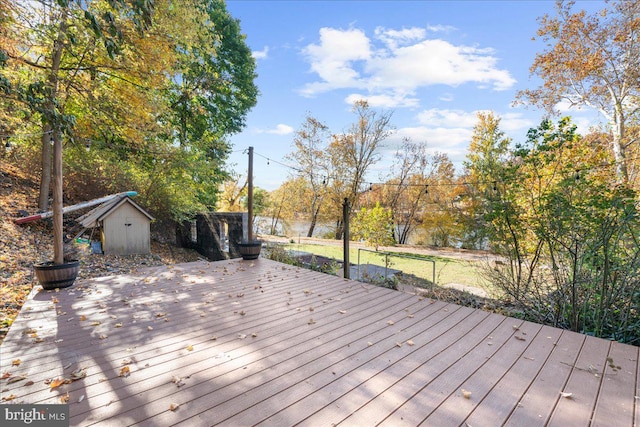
126	231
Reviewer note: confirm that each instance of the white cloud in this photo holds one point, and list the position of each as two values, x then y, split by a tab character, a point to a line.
261	54
384	100
394	38
441	28
280	129
448	118
333	58
398	62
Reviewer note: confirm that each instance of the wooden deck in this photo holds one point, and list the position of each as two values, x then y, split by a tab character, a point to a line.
244	343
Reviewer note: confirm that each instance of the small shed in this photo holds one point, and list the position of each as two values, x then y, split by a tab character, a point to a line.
125	227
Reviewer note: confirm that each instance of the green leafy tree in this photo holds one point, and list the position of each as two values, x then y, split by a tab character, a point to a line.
374	226
484	172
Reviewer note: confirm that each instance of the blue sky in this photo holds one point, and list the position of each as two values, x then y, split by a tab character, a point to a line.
434	64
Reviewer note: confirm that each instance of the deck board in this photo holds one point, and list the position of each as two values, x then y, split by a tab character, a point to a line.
262	343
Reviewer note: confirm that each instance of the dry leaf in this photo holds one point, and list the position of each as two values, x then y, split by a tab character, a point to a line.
242	336
254	334
96	323
398	344
149	328
56	383
81	398
342	311
10	397
6	375
102	336
173	407
519	338
189	347
311	322
566	395
16	379
83	317
369	343
466	394
118	325
28	383
16	362
64	398
125	371
78	374
410	342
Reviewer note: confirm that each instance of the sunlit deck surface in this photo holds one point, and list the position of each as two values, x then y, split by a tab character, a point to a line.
259	342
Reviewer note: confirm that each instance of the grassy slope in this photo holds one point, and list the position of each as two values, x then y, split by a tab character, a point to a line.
448	270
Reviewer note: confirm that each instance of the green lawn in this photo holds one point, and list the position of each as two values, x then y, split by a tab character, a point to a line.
447	270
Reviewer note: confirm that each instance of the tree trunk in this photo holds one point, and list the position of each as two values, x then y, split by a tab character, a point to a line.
54	121
617	146
45	177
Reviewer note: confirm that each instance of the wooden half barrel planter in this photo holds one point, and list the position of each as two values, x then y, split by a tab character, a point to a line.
52	276
250	249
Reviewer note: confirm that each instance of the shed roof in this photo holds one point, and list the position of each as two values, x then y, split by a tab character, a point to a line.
94	216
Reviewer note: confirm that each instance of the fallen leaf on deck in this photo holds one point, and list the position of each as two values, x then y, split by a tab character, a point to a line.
242	336
342	311
16	362
410	342
56	383
519	338
149	328
64	398
81	398
83	317
124	372
118	325
390	322
16	379
189	347
566	395
173	407
102	336
10	397
254	334
6	375
96	323
311	322
28	383
466	394
78	374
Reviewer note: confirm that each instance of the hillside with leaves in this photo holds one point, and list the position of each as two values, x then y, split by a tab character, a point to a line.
21	246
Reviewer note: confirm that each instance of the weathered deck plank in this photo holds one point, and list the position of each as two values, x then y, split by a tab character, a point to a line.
244	343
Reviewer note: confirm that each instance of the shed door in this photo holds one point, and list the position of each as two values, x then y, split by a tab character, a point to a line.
137	235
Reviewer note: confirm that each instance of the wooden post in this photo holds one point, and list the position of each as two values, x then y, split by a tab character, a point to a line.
345	237
250	196
58	238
